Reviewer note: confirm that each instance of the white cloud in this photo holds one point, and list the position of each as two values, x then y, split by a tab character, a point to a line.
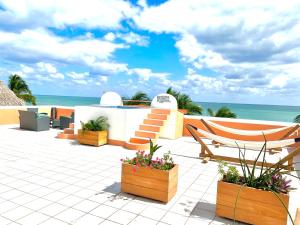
42	78
57	75
26	69
108	68
279	81
103	78
129	38
34	45
133	38
84	82
46	67
40	71
145	74
77	76
56	13
110	36
252	48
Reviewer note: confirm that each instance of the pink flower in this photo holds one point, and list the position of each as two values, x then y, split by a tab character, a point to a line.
134	169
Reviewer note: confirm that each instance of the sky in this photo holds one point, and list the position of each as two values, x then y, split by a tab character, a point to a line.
216	51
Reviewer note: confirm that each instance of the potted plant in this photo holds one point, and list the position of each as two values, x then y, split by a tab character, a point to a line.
256	196
151	178
94	132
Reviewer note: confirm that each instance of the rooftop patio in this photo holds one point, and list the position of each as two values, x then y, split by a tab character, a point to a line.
45	180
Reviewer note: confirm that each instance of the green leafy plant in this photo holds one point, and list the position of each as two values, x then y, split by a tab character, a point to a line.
222	112
297	119
139	98
273	178
229	173
99	124
19	86
146	160
185	102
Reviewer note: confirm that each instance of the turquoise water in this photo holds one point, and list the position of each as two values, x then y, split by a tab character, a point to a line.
243	111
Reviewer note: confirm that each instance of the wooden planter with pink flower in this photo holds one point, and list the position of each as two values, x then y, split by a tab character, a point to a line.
155	179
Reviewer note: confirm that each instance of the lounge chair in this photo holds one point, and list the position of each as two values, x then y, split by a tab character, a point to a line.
64	121
33	121
54	122
287	130
206	152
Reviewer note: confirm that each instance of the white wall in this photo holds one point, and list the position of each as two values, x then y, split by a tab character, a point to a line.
123	122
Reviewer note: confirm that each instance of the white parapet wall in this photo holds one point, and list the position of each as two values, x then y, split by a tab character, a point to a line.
123	121
173	126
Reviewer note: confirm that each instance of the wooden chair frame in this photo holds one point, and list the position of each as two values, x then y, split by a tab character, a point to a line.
206	152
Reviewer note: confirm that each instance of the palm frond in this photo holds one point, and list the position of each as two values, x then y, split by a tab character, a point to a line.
297	119
210	112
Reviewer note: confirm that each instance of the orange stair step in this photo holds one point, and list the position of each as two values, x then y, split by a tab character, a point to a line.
66	136
139	140
136	147
154	122
150	128
146	134
161	111
69	131
157	116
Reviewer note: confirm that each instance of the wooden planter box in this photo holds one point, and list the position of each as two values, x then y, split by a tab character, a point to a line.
95	138
150	183
253	206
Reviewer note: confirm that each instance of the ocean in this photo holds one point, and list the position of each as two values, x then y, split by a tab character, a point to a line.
243	111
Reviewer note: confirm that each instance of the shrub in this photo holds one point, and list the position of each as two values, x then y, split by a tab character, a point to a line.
268	178
146	160
100	124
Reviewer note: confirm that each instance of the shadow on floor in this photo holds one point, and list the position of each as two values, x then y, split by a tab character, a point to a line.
207	210
74	142
115	188
204	209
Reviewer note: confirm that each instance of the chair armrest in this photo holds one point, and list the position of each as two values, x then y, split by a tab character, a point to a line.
43	119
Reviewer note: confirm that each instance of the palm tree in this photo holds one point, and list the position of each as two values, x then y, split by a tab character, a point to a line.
138	98
222	112
297	119
185	102
21	89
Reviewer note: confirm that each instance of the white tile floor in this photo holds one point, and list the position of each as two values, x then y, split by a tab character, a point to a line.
47	181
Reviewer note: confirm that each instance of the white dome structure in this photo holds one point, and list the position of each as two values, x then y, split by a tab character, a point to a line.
111	98
164	101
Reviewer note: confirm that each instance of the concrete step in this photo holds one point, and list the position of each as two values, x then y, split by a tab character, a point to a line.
161	111
157	116
62	135
154	122
146	134
136	147
139	140
151	128
69	131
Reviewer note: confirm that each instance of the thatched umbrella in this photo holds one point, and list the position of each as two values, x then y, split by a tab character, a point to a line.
8	97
